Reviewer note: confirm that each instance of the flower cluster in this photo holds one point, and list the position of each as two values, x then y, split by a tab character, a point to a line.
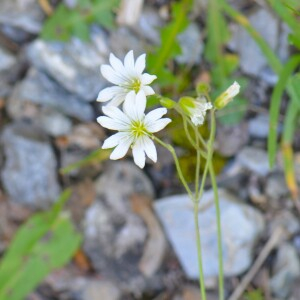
135	129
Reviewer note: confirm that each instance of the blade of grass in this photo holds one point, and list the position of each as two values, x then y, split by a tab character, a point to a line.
96	156
276	97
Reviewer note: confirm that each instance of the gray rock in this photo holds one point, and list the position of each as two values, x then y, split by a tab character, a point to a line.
29	173
113	234
241	225
75	65
7	60
254	159
259	127
286	271
104	290
120	45
230	139
149	24
22	14
287	221
191	45
251	57
276	187
54	123
39	90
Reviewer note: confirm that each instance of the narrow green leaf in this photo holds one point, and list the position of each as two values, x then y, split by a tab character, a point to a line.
276	97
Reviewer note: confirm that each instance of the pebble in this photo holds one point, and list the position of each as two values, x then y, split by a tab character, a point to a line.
242	225
37	89
285	271
29	172
255	160
259	127
74	65
101	290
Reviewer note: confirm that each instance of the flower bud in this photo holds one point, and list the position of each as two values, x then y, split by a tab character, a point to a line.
202	88
227	96
167	102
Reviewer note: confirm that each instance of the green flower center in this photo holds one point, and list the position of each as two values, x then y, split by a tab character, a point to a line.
138	129
136	85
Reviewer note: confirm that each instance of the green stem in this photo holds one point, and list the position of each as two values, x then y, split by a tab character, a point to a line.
199	252
217	205
178	168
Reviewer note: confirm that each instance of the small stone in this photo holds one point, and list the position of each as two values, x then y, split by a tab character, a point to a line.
191	45
113	234
259	127
254	159
230	139
99	289
26	15
252	60
7	60
276	187
241	227
75	65
37	89
286	271
29	173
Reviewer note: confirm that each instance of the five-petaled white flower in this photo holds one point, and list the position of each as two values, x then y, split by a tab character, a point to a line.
195	108
127	76
135	128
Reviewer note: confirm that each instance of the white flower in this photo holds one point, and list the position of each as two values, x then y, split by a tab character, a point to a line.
227	96
135	128
195	108
127	76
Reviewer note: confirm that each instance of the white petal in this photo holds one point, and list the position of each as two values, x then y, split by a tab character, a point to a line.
148	90
116	63
116	114
129	105
140	64
149	148
140	105
111	124
155	114
108	93
158	125
109	73
129	61
147	78
117	100
114	140
121	149
138	153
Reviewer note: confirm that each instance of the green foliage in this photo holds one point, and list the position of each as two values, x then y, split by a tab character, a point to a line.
169	48
66	22
254	295
45	242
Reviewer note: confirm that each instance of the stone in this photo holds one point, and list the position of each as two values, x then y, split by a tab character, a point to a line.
7	60
242	225
114	235
255	160
29	172
149	24
191	44
230	139
26	15
74	65
252	60
100	289
285	271
259	127
54	123
37	89
276	187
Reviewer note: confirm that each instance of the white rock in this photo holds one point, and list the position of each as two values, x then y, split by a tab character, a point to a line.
241	227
